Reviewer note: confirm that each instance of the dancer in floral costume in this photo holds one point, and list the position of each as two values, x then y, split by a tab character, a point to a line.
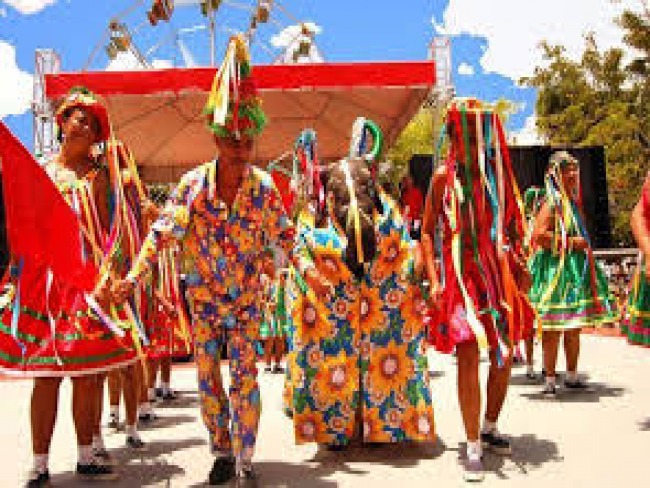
358	368
637	325
224	214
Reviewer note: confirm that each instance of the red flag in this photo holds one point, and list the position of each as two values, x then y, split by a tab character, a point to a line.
42	229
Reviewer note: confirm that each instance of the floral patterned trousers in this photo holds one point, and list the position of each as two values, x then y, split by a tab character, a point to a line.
233	419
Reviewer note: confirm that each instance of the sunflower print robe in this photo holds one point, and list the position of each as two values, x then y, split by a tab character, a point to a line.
358	365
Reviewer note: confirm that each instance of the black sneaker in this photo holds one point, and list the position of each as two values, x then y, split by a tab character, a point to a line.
496	443
169	396
96	471
38	479
223	470
577	385
246	478
278	369
159	393
550	391
135	443
147	418
268	369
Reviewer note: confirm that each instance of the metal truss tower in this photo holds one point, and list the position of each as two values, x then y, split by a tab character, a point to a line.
45	143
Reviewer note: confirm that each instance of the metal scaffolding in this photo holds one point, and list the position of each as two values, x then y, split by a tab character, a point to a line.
47	61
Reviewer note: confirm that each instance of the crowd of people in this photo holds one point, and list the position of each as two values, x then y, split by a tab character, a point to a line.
355	289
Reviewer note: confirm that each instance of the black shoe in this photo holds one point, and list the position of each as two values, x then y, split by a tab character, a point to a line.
169	396
38	480
147	418
246	478
159	392
96	470
223	470
268	369
135	443
577	385
336	447
278	369
496	443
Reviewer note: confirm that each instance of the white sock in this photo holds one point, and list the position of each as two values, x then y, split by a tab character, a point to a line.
530	369
145	408
474	450
98	443
41	462
222	454
572	376
550	380
115	411
243	465
165	388
85	454
132	431
489	426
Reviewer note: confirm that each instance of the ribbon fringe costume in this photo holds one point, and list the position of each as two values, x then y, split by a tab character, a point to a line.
55	331
569	289
482	233
637	324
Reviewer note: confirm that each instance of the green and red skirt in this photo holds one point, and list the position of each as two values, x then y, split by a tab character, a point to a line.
55	336
637	325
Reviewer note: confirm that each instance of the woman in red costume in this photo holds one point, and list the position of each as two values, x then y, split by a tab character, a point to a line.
477	301
48	329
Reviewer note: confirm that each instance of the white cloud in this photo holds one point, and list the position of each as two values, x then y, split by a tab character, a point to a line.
466	69
29	6
528	135
514	28
3	12
291	33
16	86
126	61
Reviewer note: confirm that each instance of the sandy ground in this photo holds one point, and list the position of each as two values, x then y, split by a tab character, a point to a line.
597	439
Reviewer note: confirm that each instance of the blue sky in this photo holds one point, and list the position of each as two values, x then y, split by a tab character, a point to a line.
491	48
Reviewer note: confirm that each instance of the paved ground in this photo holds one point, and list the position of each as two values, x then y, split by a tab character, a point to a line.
601	439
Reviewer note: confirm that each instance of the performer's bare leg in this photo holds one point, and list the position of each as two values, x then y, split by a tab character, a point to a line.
469	390
44	407
131	377
278	344
497	386
572	351
550	345
268	352
114	393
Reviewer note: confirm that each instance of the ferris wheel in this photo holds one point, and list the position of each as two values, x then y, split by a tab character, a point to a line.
188	33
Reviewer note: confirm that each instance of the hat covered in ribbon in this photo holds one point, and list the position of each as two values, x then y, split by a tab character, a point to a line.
234	108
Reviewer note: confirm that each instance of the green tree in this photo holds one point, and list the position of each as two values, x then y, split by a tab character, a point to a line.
598	100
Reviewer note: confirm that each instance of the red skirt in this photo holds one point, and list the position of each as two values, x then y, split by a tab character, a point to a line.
77	343
165	338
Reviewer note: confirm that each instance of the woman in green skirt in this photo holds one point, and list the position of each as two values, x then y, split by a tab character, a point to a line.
569	290
637	326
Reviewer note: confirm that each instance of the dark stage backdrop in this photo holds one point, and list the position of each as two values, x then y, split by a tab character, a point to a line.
529	164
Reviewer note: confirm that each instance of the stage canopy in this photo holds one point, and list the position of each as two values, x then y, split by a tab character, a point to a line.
158	113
